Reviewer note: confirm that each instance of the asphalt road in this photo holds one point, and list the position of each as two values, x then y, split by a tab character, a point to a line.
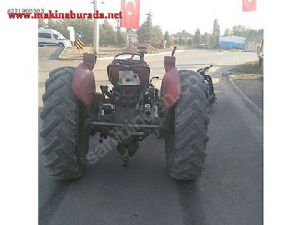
228	193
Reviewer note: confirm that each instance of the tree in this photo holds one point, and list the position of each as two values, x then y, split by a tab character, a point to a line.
168	39
251	33
227	32
149	34
189	42
120	38
144	33
156	39
204	38
52	24
41	23
108	36
197	37
211	40
239	30
216	33
181	41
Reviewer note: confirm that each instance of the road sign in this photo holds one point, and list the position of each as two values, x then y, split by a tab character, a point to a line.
79	44
79	34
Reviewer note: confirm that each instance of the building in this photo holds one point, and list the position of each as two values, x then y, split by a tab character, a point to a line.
231	42
182	36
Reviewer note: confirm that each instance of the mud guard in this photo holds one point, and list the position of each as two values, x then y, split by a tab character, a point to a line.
170	88
83	84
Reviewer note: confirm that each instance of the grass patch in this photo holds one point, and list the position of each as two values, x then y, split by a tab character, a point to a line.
247	68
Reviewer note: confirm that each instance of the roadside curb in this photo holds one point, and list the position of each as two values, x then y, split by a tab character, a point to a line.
60	55
112	57
251	105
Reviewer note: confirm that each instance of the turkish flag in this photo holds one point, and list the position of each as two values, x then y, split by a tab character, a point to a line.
249	5
131	14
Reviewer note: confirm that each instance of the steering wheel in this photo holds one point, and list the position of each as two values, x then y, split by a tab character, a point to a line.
130	59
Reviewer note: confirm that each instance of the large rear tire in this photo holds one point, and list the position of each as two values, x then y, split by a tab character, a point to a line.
186	129
66	141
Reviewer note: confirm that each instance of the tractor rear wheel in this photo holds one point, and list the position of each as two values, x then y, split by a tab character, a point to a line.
186	129
66	141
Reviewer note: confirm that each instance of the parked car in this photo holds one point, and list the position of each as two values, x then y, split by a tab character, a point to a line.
52	38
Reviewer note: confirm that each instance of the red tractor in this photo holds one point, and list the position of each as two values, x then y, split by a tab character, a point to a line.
128	113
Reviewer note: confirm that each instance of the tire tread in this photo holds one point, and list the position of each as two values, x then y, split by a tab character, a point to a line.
60	127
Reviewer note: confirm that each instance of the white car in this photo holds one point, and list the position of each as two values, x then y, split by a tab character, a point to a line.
53	38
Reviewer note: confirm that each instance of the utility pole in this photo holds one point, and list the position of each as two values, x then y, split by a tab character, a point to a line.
96	30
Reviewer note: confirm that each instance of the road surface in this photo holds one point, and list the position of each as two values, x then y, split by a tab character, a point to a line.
228	193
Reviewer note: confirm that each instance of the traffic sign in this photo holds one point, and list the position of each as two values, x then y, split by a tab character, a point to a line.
79	44
79	34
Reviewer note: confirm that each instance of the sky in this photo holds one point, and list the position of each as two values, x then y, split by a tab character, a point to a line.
174	15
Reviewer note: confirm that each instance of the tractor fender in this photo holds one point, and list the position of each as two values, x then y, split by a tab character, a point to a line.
170	88
83	84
